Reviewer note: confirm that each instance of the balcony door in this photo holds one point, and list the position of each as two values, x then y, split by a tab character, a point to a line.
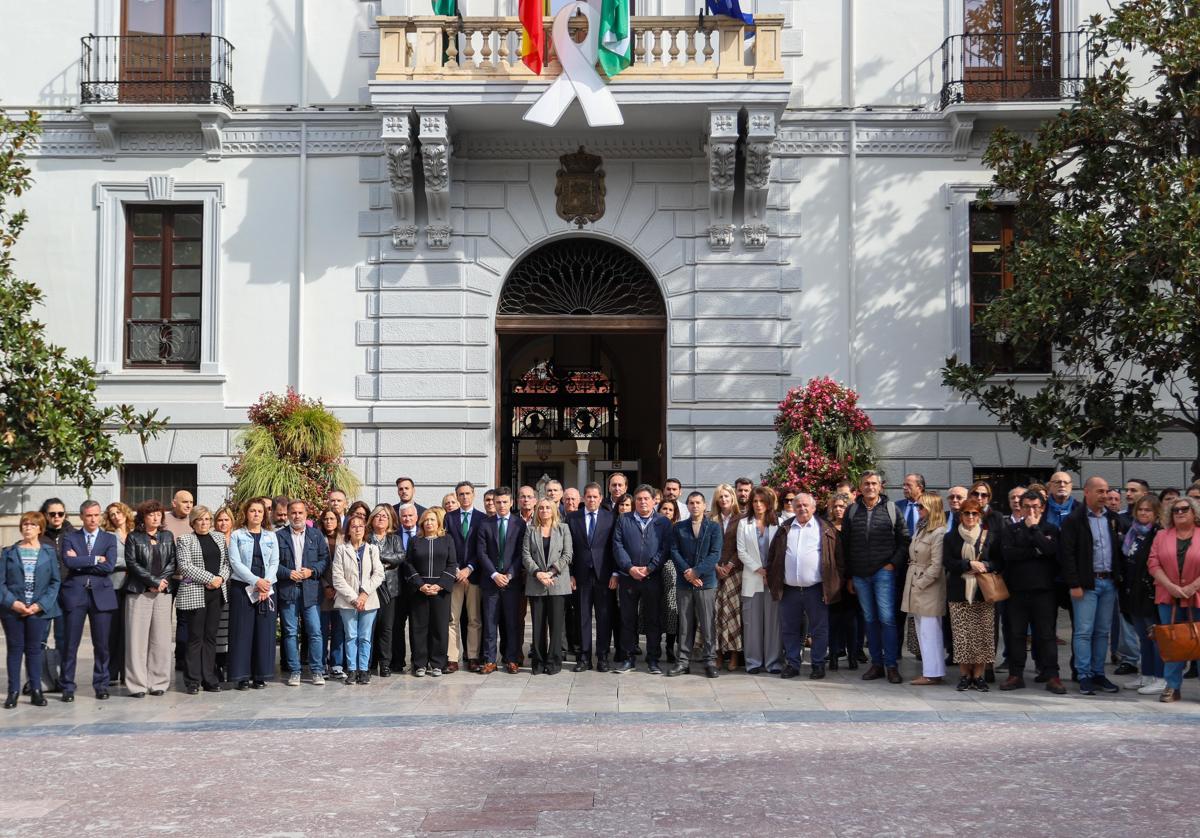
166	51
1010	50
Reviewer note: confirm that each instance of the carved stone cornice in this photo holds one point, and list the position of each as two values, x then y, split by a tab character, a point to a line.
485	146
722	167
805	141
760	137
434	135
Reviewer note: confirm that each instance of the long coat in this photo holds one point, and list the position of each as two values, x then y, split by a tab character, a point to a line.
535	560
925	583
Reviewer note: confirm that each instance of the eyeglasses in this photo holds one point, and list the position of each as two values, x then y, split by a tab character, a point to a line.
56	514
969	514
981	494
1181	510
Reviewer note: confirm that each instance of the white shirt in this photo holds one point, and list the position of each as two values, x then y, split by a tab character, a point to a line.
298	547
802	561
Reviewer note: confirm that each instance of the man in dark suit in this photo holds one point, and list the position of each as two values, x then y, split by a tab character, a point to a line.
303	557
461	526
89	556
641	543
1090	561
593	570
406	490
497	549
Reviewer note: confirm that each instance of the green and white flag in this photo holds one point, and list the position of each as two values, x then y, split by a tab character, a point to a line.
615	43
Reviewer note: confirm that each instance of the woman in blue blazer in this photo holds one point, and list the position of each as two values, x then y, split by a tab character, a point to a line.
254	562
28	602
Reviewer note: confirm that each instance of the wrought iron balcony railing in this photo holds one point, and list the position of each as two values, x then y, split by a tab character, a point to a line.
162	343
664	48
156	70
1014	66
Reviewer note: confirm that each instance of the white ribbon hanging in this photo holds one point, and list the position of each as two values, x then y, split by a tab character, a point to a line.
579	78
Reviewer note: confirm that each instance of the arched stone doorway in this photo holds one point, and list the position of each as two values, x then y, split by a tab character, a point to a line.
581	338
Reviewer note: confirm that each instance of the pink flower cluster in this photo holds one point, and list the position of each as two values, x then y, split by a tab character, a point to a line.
824	438
272	408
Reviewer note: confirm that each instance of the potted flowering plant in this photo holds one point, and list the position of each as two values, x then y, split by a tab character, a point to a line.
293	447
824	438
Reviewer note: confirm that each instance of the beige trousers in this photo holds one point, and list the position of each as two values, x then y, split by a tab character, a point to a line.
465	591
149	658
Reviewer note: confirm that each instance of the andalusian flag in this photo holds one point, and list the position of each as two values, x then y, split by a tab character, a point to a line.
448	8
615	44
533	38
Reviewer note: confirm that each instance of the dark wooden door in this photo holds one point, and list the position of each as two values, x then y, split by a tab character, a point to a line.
1010	50
166	51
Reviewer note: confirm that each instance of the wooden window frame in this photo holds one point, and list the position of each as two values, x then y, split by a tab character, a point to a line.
166	268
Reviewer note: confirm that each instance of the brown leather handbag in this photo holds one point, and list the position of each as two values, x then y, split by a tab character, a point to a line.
992	586
1178	642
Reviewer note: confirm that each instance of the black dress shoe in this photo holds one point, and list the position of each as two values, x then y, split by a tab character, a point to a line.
1041	678
241	685
37	699
852	663
364	677
11	701
679	669
989	674
1105	685
212	688
157	693
818	672
860	656
548	669
710	671
833	664
602	665
67	698
1125	669
788	672
583	665
143	695
193	690
102	695
385	671
754	670
258	684
653	668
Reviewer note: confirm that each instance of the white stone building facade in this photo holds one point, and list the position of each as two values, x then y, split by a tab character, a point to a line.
356	213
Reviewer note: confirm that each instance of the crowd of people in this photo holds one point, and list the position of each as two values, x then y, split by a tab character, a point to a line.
741	577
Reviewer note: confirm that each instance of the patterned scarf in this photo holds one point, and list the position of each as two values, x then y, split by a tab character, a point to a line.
1134	537
972	545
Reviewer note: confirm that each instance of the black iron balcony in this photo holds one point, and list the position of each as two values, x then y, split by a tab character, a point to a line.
1015	67
162	343
156	70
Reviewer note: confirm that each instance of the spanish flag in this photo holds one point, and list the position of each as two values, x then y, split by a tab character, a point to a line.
533	38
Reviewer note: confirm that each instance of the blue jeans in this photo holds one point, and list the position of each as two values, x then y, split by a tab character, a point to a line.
1093	621
1123	641
1152	662
877	598
1173	670
357	625
332	638
289	619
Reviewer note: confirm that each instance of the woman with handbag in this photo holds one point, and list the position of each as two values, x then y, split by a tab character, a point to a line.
1175	565
1137	591
967	553
382	533
924	597
357	575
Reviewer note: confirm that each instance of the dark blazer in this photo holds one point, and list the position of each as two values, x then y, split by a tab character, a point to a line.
952	560
486	550
315	558
633	547
1029	556
463	546
139	559
698	554
833	561
46	581
429	562
83	574
1075	548
598	553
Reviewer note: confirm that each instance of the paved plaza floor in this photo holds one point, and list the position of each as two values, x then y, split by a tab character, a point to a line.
604	754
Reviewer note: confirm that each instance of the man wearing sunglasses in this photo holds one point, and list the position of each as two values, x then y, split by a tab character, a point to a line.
1089	559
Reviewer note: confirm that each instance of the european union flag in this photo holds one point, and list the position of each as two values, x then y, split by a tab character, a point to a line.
731	8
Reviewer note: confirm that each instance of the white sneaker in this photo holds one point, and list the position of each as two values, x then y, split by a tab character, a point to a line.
318	680
1138	683
435	673
293	679
1153	686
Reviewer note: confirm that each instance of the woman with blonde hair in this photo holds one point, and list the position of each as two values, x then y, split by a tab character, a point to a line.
1174	564
725	511
924	597
429	567
118	520
382	529
967	552
357	575
546	555
203	561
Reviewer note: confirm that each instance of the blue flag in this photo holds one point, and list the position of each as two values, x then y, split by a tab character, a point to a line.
733	9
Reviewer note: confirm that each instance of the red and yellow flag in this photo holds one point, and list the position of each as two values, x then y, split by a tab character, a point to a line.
533	37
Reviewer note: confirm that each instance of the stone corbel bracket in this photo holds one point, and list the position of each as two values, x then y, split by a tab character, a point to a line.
722	168
398	150
760	141
961	130
434	134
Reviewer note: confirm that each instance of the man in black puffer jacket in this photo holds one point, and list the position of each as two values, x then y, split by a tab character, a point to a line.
875	540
